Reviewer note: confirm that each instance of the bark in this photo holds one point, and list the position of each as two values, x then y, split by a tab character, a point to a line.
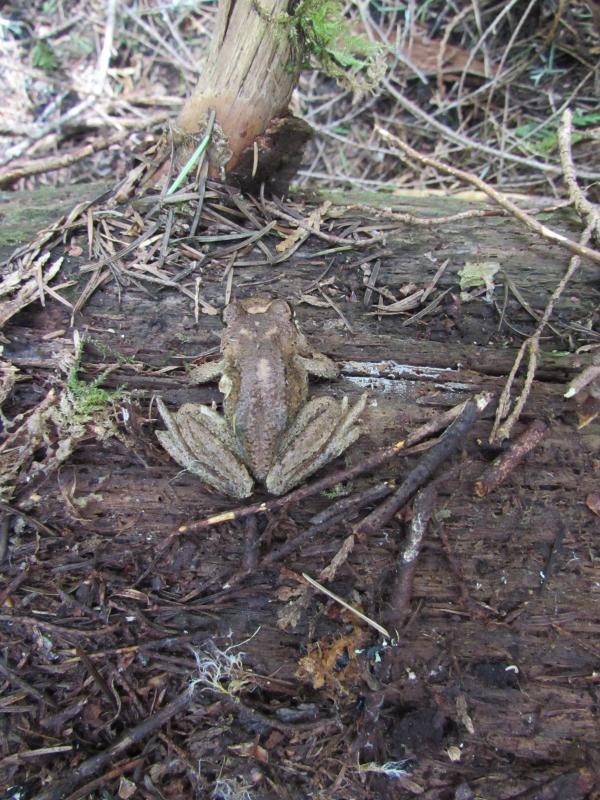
248	78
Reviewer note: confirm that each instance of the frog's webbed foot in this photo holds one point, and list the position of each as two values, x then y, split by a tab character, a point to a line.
322	431
200	440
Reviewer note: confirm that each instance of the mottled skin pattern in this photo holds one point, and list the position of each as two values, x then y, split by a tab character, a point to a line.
259	365
269	431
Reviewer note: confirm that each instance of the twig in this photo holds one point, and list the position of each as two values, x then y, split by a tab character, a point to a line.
371	283
497	197
5	521
115	772
107	44
427	222
383	631
52	163
450	441
17	680
586	210
94	764
355	501
502	431
39	752
589	375
464	141
501	468
35	523
402	590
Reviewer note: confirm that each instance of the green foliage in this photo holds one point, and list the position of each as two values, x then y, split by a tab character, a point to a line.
109	352
319	31
543	141
43	57
339	490
81	45
87	400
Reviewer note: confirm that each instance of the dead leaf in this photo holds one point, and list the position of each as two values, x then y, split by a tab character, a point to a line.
463	714
328	574
423	51
310	300
592	501
127	788
313	223
334	663
75	250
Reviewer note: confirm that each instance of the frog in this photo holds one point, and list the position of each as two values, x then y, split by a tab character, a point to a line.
269	431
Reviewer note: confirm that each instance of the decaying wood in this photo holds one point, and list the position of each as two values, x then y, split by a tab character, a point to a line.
492	682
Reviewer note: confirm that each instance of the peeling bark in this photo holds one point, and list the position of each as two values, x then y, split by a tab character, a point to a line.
247	80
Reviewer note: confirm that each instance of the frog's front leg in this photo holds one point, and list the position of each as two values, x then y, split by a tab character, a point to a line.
209	371
200	440
313	362
323	429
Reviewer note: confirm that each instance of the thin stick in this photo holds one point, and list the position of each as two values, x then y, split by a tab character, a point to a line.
115	772
464	141
504	465
135	735
448	443
500	432
17	680
497	197
586	210
383	631
407	563
49	164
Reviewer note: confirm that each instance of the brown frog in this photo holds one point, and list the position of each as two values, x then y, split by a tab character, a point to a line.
270	431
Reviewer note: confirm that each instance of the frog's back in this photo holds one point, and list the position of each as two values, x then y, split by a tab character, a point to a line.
268	388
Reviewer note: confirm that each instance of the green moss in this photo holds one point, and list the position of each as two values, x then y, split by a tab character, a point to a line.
326	35
109	352
88	399
319	32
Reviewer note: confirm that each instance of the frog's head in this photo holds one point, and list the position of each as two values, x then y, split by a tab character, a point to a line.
274	309
259	321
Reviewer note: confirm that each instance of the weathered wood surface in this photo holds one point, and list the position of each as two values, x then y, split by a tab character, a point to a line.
519	659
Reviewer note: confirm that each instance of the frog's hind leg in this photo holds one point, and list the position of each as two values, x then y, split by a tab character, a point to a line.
321	432
200	440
